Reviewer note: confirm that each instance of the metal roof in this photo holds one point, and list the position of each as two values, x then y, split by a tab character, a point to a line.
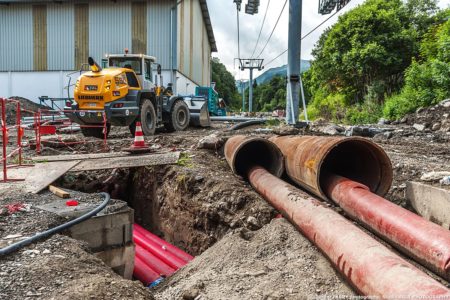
203	5
209	29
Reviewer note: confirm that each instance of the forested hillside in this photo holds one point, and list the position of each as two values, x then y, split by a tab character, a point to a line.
383	58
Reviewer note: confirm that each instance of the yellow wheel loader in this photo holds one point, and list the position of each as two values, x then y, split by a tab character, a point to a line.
126	92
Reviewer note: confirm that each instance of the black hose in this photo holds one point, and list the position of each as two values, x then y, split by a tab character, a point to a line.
247	123
16	246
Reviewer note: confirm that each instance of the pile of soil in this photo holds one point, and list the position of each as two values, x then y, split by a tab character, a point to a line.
435	118
26	107
275	262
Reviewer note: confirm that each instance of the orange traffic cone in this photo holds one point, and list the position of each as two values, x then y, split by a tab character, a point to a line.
138	145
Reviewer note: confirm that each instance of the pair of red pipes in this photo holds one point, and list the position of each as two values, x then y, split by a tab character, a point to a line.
154	257
370	267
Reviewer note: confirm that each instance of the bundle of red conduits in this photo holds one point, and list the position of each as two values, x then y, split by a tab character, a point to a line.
155	258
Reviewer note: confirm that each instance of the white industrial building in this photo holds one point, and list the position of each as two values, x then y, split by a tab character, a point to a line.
43	43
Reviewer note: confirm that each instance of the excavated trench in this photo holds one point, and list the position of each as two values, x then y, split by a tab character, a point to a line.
182	205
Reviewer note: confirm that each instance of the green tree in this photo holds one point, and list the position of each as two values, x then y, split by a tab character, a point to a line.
225	84
362	59
427	80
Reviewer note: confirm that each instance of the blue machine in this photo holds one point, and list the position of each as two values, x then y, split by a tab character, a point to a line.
216	106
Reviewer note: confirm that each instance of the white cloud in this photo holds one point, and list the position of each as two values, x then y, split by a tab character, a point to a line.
223	16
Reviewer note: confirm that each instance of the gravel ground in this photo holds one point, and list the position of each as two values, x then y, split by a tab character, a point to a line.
198	205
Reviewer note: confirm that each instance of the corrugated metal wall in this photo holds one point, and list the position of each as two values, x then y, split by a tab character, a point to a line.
60	37
16	46
158	30
109	27
109	30
194	50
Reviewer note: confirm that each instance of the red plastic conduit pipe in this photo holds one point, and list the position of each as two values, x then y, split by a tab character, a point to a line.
368	265
143	272
153	262
425	241
162	243
168	258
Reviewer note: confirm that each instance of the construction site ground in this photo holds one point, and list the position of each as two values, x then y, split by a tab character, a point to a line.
243	249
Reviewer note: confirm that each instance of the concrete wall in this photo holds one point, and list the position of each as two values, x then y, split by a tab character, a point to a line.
31	85
53	84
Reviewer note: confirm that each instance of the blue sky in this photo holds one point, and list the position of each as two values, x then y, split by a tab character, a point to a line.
223	17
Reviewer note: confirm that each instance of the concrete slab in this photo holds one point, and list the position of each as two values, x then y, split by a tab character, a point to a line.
128	162
121	260
430	202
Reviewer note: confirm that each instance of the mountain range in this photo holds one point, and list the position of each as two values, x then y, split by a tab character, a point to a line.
277	71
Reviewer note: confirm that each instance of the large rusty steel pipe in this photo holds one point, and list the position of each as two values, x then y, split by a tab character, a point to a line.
367	264
370	267
355	158
427	242
243	152
312	162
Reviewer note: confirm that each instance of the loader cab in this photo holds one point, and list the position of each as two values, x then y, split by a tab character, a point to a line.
142	65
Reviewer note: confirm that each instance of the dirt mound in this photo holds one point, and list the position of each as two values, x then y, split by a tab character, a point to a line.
435	117
275	262
26	106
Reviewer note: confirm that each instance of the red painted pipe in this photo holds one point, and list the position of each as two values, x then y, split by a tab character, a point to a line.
427	242
167	257
369	266
154	262
162	243
144	273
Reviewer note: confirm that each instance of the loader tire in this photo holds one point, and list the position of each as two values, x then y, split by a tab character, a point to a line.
179	117
147	117
96	132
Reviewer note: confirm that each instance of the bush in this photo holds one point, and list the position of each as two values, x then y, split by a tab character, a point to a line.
368	112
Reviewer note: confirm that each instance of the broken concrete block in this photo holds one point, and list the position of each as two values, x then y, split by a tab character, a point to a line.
430	202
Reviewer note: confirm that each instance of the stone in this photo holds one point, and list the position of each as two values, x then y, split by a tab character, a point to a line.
436	126
419	127
211	142
253	222
404	120
191	293
383	121
419	110
332	130
445	103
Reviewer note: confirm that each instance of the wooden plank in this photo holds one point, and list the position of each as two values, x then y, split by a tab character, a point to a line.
40	37
128	162
139	27
81	34
58	192
78	156
38	177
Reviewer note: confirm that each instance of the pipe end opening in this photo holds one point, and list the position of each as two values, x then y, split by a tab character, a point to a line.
359	160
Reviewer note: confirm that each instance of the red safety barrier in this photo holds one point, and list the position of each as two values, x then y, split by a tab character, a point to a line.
5	139
52	122
162	243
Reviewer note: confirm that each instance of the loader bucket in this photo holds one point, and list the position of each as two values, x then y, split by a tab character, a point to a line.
198	109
